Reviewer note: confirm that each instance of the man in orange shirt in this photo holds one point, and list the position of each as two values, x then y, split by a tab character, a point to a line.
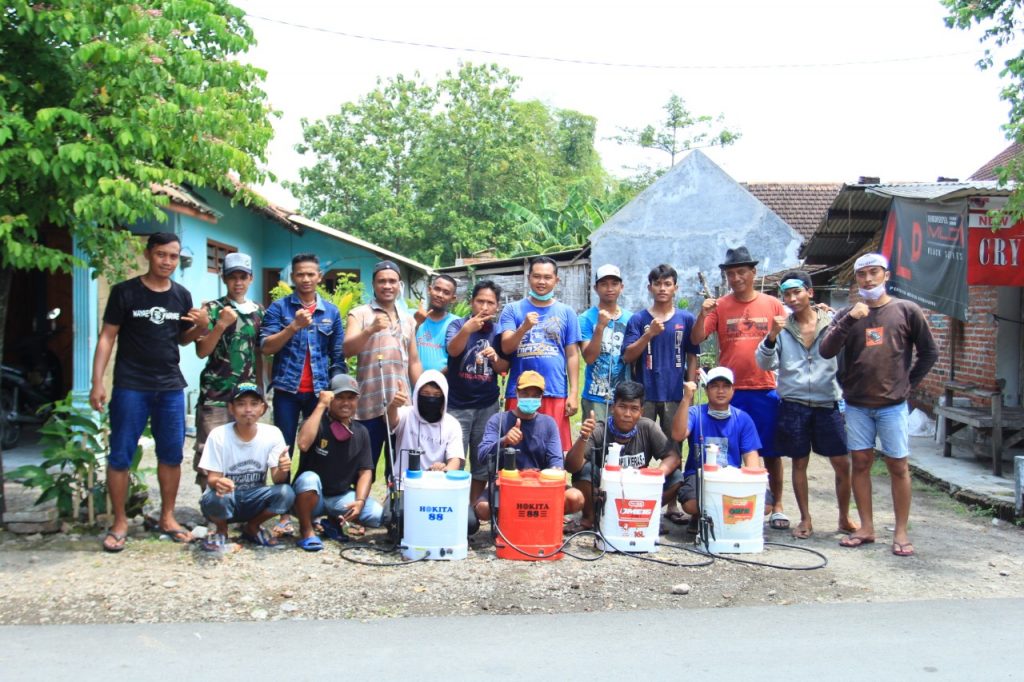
741	319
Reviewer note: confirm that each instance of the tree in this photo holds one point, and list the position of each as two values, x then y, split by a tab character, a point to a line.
98	100
559	225
680	131
431	170
1002	20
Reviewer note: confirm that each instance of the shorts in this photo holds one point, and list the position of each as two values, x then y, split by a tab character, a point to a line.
802	429
129	412
663	413
587	474
554	408
473	420
598	407
762	406
888	426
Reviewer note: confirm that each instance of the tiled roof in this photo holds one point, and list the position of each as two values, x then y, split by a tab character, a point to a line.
802	205
988	171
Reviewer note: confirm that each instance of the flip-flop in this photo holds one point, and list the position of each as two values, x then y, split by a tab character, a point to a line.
852	541
119	539
903	549
778	521
283	528
179	535
802	533
310	544
677	517
262	539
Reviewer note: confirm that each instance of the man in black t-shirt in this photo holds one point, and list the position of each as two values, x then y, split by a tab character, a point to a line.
335	466
148	317
640	439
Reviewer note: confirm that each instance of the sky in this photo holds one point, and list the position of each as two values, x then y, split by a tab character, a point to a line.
821	90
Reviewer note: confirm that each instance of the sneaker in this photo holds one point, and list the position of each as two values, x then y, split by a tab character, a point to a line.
214	542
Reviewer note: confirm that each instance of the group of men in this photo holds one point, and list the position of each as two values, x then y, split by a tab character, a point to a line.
427	383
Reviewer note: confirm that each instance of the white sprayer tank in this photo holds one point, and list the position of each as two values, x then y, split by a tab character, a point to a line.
631	518
436	514
734	499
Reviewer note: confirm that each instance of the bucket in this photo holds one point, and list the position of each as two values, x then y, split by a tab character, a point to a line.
436	515
530	511
734	499
632	509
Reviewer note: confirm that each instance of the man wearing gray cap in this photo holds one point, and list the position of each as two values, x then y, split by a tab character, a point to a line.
876	339
231	349
602	331
335	468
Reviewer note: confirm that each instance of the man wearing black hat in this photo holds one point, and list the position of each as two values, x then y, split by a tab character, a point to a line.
742	319
235	460
383	337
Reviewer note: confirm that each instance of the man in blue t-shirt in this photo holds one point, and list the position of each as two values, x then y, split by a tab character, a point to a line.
432	323
538	333
658	347
714	427
602	330
473	368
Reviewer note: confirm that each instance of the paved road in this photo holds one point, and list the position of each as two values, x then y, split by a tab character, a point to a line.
935	640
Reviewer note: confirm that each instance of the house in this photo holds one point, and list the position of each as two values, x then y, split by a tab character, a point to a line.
688	218
210	226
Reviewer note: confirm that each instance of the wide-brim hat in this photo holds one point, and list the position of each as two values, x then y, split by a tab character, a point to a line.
737	257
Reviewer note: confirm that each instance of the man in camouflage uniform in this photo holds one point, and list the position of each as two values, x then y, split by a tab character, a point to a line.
232	348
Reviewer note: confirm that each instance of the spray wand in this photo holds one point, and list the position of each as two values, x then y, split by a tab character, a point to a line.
705	524
395	482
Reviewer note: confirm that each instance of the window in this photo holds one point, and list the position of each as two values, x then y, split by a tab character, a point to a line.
331	279
215	252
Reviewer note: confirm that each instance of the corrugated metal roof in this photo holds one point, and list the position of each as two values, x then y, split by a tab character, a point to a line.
180	195
940	191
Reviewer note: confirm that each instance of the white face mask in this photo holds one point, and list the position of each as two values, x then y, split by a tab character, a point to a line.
246	307
872	294
718	414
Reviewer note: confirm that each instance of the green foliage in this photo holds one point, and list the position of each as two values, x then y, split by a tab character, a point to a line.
680	131
99	100
75	442
1001	20
461	308
347	294
431	169
558	226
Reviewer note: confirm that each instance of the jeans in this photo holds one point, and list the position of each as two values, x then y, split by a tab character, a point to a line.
890	425
335	505
129	411
287	408
243	505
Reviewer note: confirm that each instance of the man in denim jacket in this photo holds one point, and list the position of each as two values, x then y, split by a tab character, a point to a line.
304	334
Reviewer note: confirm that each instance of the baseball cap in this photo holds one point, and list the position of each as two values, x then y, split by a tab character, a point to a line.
608	270
870	260
386	265
246	388
237	261
344	383
720	373
530	378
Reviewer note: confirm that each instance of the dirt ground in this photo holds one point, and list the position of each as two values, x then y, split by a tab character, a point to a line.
65	578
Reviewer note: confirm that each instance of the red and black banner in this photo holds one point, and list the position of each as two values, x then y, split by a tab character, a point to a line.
995	252
926	247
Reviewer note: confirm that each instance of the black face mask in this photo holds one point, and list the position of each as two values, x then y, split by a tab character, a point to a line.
431	408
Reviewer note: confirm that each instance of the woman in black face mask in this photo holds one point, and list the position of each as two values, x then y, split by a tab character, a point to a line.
426	427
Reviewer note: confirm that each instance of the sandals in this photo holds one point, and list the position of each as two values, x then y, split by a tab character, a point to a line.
778	521
677	517
262	539
310	544
119	542
283	528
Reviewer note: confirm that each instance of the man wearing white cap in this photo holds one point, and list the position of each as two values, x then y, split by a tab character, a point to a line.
602	330
875	340
231	348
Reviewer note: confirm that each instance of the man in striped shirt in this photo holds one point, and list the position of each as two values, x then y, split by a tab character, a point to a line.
384	340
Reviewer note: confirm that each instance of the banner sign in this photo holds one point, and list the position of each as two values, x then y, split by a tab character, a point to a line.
994	257
925	244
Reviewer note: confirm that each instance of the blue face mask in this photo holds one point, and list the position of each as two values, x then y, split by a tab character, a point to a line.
546	297
528	405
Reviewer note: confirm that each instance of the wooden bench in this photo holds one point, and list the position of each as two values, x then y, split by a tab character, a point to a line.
991	420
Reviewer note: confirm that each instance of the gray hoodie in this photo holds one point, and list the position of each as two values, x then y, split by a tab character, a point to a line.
804	376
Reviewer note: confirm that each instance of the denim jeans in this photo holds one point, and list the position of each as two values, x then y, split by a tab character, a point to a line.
335	505
242	505
888	425
287	408
129	411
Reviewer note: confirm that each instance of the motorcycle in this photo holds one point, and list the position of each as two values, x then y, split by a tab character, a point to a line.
28	389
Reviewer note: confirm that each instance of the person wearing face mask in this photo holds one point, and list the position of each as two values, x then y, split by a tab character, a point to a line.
877	339
532	434
231	347
335	467
424	426
715	423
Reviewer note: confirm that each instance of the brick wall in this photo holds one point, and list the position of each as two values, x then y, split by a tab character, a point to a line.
974	360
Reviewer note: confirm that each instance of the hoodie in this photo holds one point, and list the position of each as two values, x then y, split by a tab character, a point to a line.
804	376
438	442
